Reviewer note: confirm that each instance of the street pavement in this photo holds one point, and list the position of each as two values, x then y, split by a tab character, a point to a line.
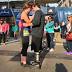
56	61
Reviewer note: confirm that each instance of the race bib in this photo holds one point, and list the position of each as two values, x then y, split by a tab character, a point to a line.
25	32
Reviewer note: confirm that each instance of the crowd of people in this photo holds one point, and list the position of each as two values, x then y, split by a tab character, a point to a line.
36	26
61	31
7	30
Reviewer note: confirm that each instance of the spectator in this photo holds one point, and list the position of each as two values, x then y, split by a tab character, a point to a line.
15	30
57	31
69	30
7	27
57	27
1	22
50	33
63	30
4	31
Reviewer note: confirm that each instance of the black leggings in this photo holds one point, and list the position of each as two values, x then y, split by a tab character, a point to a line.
36	44
3	36
25	44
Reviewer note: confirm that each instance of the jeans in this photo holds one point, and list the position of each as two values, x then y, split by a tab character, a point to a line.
50	38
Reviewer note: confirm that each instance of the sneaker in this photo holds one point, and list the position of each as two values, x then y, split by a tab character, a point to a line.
47	48
68	53
71	53
51	50
34	63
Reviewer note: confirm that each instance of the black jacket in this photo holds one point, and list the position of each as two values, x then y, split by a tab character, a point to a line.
38	24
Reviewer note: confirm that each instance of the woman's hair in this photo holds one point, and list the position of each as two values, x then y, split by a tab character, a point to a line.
69	21
70	16
28	5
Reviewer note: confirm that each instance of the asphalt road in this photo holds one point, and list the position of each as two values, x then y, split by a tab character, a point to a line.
50	62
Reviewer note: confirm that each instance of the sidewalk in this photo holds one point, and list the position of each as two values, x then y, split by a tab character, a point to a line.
51	62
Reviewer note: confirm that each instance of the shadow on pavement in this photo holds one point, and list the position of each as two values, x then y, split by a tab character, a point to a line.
8	53
16	57
42	56
60	68
31	57
59	56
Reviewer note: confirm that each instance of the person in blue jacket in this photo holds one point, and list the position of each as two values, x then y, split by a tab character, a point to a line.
49	27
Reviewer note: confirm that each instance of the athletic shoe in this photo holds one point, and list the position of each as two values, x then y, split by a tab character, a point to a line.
51	50
68	53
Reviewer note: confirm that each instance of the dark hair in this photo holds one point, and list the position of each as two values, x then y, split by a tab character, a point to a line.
37	4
